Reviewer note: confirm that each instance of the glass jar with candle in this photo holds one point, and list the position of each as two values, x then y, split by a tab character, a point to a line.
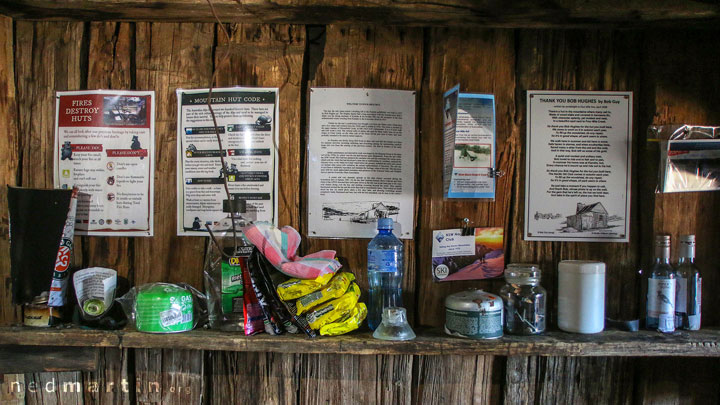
524	299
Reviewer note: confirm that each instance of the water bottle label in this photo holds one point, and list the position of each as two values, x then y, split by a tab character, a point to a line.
384	261
661	298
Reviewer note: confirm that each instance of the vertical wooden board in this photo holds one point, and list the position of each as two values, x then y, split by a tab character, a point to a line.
111	383
170	56
572	60
458	380
372	57
271	56
109	67
351	379
684	90
48	59
677	381
169	376
262	378
489	68
65	388
12	389
8	161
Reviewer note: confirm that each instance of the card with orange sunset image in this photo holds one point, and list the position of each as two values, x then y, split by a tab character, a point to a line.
468	254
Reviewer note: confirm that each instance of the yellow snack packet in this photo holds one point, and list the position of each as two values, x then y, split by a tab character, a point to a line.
335	309
296	288
336	288
348	323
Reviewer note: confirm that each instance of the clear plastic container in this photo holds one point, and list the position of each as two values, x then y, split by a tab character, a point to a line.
524	300
385	272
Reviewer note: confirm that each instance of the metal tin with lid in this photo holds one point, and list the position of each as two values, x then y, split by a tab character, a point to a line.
474	314
163	308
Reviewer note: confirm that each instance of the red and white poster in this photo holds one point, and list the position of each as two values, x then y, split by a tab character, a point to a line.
105	146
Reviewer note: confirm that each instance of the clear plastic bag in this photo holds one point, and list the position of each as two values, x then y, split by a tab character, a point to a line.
164	307
689	157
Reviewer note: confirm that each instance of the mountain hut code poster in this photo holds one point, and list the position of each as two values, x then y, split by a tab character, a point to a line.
104	145
247	122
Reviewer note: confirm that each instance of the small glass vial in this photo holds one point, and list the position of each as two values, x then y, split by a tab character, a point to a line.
524	299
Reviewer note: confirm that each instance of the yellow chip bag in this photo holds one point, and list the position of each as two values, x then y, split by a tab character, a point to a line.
336	288
348	323
296	288
335	309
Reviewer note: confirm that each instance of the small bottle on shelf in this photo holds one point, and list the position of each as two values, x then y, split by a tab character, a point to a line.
689	286
661	289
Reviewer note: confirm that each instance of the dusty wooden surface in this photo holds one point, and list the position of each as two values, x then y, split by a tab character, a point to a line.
430	342
531	13
674	79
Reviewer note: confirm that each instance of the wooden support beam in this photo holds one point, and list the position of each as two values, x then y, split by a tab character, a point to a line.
527	13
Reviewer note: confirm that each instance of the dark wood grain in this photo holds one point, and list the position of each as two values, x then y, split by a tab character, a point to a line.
109	67
170	56
529	13
371	57
22	359
9	160
450	63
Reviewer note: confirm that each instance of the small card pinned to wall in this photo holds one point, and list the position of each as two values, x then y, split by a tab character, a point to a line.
469	139
467	254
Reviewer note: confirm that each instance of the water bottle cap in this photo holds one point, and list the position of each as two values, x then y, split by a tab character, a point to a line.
385	223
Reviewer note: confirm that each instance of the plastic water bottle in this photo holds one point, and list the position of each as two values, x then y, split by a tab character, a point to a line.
385	272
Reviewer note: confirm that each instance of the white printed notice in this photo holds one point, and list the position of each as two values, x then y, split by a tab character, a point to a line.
577	180
361	161
105	146
247	122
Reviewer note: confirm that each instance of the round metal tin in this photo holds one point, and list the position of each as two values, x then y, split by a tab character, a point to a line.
474	314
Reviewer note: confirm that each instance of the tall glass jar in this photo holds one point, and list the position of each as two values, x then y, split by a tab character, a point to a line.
524	299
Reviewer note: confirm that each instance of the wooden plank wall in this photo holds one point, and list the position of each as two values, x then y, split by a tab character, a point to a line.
674	76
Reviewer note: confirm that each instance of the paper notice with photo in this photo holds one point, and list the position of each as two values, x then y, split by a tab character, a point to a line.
361	163
247	120
577	179
105	146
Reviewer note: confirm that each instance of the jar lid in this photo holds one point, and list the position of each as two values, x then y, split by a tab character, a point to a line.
581	267
473	300
522	273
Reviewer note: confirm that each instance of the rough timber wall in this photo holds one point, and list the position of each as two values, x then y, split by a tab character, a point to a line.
674	77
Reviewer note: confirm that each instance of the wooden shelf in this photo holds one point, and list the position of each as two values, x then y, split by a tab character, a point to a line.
705	343
519	14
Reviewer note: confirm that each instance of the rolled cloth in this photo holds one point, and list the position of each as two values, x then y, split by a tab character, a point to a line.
280	247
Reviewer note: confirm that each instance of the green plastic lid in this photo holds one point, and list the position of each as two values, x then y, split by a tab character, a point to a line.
163	308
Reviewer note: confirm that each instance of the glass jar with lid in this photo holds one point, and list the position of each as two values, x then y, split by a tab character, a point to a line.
524	300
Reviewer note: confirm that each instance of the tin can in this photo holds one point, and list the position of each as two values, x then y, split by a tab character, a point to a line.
474	314
39	314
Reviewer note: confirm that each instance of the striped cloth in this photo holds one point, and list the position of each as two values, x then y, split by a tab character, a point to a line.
280	247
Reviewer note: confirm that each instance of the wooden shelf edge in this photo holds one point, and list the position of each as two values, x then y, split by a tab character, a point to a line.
523	14
705	343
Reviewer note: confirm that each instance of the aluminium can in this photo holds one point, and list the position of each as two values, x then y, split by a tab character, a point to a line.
474	314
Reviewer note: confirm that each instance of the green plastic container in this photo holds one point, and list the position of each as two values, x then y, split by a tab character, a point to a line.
163	308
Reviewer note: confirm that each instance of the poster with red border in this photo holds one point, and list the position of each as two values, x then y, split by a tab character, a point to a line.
105	146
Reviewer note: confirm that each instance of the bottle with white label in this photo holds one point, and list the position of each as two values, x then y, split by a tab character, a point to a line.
689	286
385	272
661	289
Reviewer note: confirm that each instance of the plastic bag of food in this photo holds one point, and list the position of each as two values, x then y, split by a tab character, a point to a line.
336	288
346	324
296	287
335	309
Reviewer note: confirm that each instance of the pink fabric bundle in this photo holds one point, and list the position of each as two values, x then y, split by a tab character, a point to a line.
280	246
